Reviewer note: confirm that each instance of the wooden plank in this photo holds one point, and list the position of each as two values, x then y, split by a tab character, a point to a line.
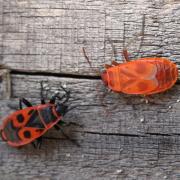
127	138
47	39
135	140
49	35
123	114
5	83
1	31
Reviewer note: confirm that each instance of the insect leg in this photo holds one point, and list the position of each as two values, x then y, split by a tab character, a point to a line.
39	142
56	96
146	99
87	58
66	91
67	137
58	127
74	124
114	54
20	104
89	62
114	63
34	145
69	124
125	54
149	100
114	51
41	94
67	94
25	101
141	34
67	98
107	66
53	98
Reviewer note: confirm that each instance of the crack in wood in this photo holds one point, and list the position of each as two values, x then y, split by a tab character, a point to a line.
129	135
111	134
114	134
64	75
36	36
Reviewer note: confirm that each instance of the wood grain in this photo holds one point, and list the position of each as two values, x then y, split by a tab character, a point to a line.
122	137
125	140
49	35
5	83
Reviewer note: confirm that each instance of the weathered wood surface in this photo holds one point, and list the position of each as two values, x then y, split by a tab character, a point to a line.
5	84
127	139
49	35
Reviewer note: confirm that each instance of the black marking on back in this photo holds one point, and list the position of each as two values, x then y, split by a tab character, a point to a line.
11	132
34	120
48	115
10	125
31	111
27	134
20	118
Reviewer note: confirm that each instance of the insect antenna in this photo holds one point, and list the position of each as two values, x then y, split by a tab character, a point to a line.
60	98
114	51
67	95
87	58
89	62
142	34
137	35
41	93
101	97
43	89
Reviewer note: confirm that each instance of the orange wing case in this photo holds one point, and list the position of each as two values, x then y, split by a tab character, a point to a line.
143	76
26	125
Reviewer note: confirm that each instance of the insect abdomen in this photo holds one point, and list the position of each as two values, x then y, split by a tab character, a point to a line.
144	76
167	74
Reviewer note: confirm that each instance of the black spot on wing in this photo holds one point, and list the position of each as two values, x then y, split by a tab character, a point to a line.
27	134
20	118
34	120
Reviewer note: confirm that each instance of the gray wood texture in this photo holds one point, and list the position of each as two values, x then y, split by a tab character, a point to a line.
122	137
5	83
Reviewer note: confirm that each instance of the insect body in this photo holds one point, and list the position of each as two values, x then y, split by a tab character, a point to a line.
144	76
29	124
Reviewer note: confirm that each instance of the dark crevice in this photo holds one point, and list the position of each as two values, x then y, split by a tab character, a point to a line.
158	134
112	134
116	134
64	75
129	135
